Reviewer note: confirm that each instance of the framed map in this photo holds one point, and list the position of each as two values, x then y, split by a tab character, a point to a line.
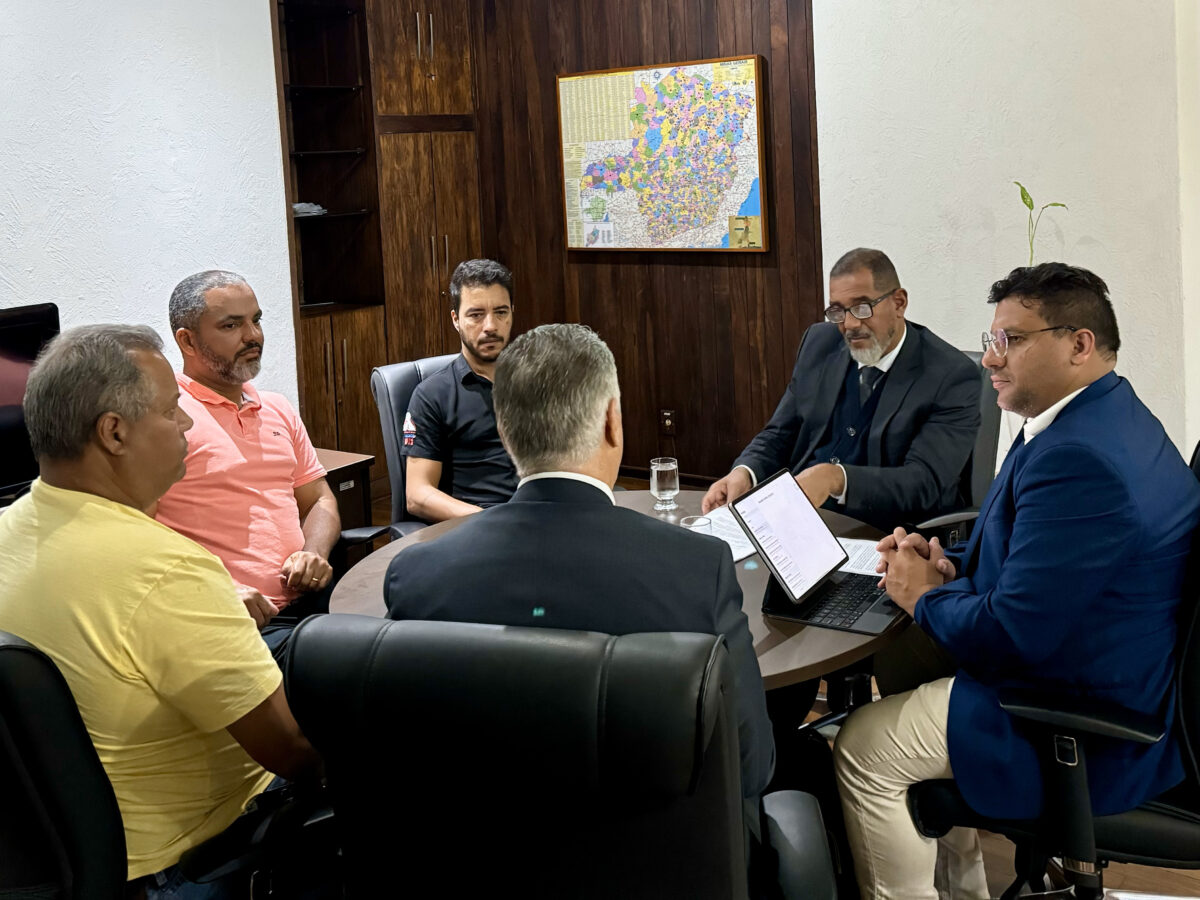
664	158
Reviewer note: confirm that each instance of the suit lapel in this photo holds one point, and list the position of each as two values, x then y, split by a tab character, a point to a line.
823	397
899	381
1000	485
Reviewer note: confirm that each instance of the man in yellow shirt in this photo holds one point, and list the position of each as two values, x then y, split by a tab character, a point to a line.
179	694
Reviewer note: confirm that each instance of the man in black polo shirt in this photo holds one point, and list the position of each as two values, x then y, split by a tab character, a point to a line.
455	462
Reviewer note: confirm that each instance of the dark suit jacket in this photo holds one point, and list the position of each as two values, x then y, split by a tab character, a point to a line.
560	555
921	436
1071	585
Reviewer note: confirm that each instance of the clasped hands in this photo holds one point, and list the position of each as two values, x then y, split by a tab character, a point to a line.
302	571
910	565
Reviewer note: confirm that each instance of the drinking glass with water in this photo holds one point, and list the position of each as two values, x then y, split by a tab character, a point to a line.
664	482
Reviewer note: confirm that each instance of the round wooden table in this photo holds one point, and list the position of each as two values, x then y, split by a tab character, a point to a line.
788	652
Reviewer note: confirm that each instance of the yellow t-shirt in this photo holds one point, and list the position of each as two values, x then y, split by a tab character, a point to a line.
158	651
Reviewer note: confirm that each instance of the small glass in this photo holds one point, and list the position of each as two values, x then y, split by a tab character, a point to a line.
700	524
664	482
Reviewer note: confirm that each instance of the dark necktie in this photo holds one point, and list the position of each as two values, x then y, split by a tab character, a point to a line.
868	377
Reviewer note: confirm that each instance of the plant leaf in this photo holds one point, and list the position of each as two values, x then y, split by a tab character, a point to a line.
1025	198
1063	205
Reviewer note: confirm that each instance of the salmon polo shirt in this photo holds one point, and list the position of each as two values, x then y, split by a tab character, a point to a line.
237	499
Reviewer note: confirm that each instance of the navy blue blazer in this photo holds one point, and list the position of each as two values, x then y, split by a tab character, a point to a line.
1070	584
560	555
921	436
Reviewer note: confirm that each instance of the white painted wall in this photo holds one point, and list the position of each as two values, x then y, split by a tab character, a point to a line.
1187	19
139	142
927	111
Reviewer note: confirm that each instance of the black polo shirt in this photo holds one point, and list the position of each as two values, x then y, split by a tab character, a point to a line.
451	419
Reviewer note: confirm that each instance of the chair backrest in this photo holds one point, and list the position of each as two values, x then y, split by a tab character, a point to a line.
393	386
60	828
1188	655
524	762
981	468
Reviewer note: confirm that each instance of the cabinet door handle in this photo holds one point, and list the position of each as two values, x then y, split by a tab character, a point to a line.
431	37
418	15
328	365
345	372
446	243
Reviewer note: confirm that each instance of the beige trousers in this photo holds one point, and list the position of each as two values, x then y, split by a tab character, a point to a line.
882	749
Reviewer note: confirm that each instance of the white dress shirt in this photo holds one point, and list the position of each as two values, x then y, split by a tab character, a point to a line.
1039	423
573	476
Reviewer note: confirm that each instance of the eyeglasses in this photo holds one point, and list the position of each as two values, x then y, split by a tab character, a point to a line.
1000	339
861	310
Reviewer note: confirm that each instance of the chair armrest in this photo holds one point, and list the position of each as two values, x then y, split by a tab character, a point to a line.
796	833
352	536
959	517
1083	716
267	832
405	528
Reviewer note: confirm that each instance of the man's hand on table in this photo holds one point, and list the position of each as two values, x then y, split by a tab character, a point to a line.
909	566
726	490
260	608
822	481
306	571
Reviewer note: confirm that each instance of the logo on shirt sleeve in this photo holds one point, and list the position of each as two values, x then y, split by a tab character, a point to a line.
409	429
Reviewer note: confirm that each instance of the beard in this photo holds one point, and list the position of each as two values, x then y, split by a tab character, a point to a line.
873	352
489	355
232	371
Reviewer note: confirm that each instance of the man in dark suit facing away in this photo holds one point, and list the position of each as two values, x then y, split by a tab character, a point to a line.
560	553
881	414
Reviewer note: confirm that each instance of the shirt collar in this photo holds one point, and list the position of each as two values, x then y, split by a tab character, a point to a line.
464	373
890	358
573	476
211	397
1040	422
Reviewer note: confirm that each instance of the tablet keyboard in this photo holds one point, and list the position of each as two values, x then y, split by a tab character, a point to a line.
844	604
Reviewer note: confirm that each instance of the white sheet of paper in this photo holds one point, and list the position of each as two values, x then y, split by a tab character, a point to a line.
727	528
863	557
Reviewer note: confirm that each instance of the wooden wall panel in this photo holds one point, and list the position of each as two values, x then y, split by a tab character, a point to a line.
712	336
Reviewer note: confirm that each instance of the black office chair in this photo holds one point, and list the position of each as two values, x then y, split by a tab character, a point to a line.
61	835
393	386
498	761
1163	831
979	472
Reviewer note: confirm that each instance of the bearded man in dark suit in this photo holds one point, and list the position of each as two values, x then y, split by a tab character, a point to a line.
880	417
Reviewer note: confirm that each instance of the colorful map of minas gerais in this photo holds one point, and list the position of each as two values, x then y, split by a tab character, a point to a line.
663	158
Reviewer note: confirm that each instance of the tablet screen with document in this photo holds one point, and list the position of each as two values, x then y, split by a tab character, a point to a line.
790	535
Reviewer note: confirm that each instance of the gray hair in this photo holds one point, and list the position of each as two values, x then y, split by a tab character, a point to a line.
883	273
187	300
553	385
78	377
475	273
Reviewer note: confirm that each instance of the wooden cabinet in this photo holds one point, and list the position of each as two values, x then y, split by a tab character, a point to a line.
429	208
420	57
338	351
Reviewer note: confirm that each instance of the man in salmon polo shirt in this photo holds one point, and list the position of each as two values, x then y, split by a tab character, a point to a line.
254	494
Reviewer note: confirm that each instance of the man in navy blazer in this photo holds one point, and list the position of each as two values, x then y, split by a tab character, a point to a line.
560	553
1070	584
881	414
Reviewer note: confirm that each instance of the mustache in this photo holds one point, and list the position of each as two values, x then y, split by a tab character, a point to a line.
248	348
